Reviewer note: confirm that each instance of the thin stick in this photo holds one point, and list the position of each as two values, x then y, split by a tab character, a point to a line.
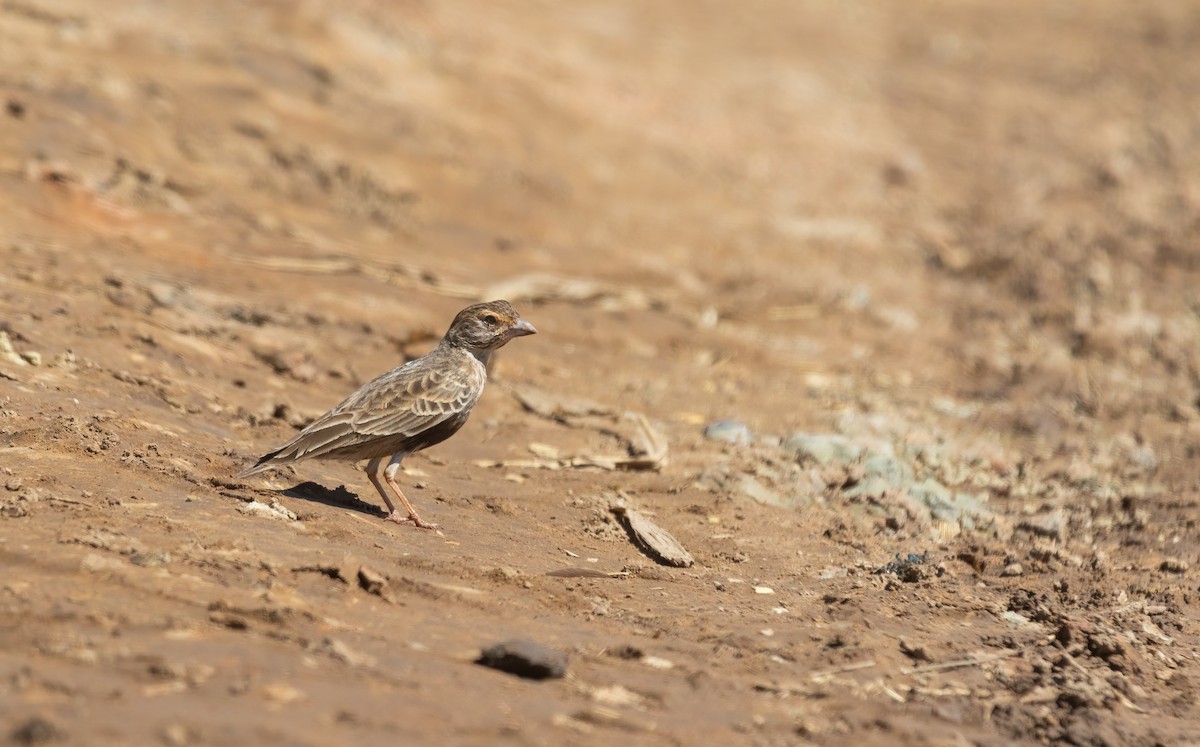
72	501
826	673
959	663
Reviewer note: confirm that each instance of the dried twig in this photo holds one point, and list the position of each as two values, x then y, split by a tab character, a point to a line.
653	539
576	572
825	674
72	501
973	661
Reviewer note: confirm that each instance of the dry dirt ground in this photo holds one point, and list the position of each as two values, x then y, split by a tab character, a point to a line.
955	243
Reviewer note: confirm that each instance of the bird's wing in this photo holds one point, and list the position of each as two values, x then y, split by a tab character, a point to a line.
404	402
420	401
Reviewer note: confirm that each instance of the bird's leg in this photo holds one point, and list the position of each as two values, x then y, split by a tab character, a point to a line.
373	475
389	474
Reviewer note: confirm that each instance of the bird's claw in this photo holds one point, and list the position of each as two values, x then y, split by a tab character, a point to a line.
414	520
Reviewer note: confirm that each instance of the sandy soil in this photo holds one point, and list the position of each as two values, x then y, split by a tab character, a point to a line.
955	241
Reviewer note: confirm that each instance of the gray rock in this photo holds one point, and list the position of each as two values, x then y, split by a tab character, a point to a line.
822	448
728	431
754	490
525	659
871	487
883	472
937	497
889	467
962	508
972	510
1015	619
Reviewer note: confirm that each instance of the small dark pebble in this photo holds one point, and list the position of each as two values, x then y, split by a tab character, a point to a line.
914	651
1174	565
36	730
626	651
371	580
233	622
525	659
900	566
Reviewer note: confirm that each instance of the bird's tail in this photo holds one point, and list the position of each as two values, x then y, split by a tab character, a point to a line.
318	439
265	462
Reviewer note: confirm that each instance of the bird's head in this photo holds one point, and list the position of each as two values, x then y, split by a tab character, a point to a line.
485	327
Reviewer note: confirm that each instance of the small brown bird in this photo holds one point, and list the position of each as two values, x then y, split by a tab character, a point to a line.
409	408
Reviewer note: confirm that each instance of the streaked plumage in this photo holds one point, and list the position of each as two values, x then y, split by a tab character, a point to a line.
409	408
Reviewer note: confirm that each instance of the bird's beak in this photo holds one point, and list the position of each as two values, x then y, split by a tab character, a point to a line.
521	328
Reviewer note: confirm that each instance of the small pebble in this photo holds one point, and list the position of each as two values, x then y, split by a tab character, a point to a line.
1013	569
914	651
728	431
150	559
282	692
163	294
64	359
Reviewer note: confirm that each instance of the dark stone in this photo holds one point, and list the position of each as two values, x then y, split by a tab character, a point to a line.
910	569
36	730
626	651
525	659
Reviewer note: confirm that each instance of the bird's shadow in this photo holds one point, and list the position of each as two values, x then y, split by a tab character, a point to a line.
338	498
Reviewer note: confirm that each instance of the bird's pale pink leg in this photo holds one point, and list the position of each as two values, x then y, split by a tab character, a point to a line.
373	475
389	474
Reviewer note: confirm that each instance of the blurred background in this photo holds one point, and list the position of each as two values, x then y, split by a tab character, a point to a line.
962	235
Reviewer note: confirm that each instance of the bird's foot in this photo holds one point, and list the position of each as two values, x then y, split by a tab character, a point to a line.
414	520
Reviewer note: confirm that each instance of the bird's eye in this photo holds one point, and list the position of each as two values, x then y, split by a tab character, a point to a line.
490	320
